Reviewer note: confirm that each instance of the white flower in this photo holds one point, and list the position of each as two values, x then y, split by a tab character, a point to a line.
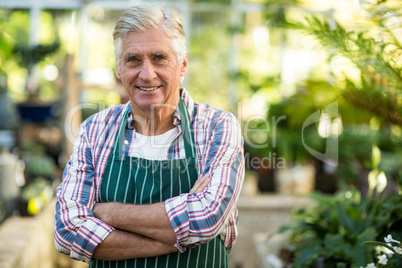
389	239
371	265
398	250
382	259
381	249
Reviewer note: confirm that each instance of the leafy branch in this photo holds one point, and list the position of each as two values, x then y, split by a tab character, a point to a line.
375	50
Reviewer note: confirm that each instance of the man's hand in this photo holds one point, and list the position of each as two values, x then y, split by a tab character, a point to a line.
201	184
103	211
121	245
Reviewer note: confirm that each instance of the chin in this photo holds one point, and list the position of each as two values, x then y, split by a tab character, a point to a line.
147	105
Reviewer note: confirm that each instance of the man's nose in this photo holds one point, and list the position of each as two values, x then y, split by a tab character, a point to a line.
147	71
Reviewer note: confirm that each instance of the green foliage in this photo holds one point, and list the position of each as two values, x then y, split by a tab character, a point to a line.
337	226
371	50
36	195
37	163
212	1
39	166
18	56
34	189
394	254
375	243
23	53
6	42
289	130
369	89
17	25
282	132
374	50
29	56
354	159
208	74
275	12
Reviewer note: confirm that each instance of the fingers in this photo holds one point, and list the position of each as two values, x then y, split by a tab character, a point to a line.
198	183
205	182
201	184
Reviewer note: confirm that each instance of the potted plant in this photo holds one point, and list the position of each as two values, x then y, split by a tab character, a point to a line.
331	233
298	175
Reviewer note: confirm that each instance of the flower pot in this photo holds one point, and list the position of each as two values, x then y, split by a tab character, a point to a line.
295	180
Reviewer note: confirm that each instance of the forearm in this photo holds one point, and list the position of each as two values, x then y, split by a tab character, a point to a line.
122	245
150	221
77	231
200	217
146	220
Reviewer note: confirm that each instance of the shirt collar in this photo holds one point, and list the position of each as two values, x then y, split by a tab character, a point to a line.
188	102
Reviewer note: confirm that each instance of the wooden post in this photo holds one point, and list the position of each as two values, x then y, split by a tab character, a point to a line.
72	109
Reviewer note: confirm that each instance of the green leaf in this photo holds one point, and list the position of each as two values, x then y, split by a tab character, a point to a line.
375	243
341	265
307	256
335	245
344	219
362	255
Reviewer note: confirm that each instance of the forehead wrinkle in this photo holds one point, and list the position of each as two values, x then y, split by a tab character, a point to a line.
158	42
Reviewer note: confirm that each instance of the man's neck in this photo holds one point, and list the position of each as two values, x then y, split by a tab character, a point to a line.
152	123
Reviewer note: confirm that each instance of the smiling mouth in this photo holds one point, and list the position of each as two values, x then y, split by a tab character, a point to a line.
148	88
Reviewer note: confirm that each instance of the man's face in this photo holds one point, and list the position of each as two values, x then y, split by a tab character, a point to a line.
149	70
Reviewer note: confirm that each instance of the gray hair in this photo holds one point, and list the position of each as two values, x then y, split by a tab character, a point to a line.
141	17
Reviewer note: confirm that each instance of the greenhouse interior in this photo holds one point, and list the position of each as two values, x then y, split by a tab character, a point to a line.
316	86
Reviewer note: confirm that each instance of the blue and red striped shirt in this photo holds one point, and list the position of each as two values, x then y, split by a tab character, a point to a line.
195	218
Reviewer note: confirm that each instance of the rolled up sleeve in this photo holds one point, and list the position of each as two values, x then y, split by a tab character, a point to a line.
77	231
199	217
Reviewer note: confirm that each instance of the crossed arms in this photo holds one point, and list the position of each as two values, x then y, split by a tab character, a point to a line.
141	230
85	229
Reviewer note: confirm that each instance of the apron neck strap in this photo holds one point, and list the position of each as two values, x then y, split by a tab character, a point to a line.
117	146
188	138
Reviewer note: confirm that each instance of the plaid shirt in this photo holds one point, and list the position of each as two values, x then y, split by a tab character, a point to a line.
195	218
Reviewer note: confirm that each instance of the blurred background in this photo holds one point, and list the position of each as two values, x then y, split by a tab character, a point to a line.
315	84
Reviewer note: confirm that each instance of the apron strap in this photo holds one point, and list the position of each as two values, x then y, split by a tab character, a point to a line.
188	138
117	146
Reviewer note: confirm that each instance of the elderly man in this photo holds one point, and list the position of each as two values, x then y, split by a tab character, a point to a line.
154	182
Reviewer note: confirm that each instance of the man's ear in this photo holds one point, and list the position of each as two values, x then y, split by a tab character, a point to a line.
117	70
184	66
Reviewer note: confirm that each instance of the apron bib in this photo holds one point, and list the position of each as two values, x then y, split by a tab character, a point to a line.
136	180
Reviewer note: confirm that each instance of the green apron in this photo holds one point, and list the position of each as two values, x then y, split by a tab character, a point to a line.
141	181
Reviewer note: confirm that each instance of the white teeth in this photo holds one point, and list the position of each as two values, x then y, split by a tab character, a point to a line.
148	88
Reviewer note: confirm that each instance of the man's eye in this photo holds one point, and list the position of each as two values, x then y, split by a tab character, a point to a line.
160	57
132	59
